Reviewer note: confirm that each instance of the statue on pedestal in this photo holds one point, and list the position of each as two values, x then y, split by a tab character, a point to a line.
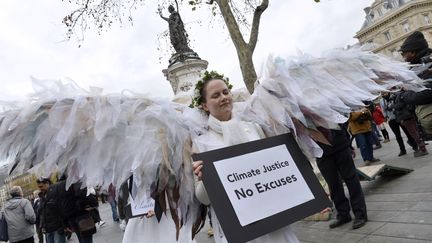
178	37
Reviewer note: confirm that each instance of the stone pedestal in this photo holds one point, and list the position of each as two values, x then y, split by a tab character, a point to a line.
184	75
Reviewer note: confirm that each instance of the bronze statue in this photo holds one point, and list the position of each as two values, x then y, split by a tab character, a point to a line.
178	35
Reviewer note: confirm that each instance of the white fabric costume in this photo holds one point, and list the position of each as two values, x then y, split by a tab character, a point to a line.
149	230
222	134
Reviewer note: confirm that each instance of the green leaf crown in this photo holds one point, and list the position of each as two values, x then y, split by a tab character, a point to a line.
198	99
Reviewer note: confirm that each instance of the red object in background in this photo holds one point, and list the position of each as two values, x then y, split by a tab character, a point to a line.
378	115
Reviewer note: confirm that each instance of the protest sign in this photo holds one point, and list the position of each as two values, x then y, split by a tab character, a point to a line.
261	186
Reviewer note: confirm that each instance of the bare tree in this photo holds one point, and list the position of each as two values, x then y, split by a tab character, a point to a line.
233	17
235	14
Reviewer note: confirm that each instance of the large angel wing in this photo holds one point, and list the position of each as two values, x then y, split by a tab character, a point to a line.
303	93
102	139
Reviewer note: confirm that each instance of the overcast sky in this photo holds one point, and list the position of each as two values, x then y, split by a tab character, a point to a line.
32	43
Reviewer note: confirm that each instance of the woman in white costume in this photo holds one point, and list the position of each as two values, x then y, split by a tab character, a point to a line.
215	99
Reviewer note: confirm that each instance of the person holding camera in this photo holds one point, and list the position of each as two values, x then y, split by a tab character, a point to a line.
360	126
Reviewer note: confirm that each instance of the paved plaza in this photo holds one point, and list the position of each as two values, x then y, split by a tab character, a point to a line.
399	208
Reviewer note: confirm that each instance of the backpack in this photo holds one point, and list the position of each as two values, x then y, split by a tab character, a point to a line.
424	115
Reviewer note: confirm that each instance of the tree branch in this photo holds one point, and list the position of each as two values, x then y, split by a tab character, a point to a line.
232	25
253	38
71	21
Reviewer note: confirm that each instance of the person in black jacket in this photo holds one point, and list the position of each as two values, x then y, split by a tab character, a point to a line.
337	165
49	221
416	51
74	205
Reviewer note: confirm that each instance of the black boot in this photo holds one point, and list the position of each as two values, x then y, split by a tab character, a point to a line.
339	222
358	223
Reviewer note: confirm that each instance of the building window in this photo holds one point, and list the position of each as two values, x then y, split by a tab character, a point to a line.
387	35
427	19
406	27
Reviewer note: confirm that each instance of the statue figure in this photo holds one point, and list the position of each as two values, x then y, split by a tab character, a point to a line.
178	35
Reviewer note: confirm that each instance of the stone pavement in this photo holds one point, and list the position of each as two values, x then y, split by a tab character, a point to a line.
399	208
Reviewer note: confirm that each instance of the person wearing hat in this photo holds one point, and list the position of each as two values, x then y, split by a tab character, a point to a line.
416	51
414	48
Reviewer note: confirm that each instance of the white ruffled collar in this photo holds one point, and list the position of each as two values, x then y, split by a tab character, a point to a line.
232	131
214	124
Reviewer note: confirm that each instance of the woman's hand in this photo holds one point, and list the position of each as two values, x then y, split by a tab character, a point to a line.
150	214
197	167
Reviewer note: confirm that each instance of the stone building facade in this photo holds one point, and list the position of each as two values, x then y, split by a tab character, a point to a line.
389	22
26	181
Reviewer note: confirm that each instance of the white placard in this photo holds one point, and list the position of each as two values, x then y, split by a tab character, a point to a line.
262	183
141	207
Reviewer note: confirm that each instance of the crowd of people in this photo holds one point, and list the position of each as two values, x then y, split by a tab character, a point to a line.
55	213
411	111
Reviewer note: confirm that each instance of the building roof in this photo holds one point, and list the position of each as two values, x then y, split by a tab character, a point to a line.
379	9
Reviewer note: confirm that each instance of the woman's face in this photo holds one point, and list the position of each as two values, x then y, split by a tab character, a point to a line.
218	100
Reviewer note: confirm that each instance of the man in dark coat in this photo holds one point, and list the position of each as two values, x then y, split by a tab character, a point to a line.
336	165
73	204
48	211
62	209
416	51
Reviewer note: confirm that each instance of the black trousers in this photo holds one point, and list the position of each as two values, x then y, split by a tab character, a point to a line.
395	127
28	240
335	169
